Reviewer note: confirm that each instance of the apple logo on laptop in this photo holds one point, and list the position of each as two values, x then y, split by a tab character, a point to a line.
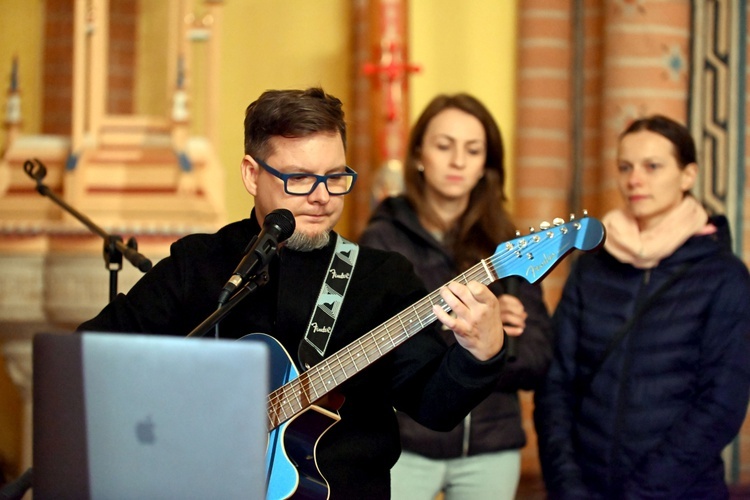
144	431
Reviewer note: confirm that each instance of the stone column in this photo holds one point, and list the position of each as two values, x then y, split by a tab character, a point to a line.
543	137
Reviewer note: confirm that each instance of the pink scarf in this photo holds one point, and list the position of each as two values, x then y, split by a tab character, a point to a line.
646	249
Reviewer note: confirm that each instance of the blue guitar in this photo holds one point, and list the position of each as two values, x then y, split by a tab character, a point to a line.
295	422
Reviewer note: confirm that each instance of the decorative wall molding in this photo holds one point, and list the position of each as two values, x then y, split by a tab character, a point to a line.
717	107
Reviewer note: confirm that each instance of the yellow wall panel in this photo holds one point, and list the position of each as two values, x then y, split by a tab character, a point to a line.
467	46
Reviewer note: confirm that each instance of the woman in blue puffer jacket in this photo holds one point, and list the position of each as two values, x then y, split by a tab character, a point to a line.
651	370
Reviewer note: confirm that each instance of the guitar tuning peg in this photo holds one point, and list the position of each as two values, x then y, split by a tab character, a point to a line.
544	225
531	230
572	217
558	221
518	233
585	213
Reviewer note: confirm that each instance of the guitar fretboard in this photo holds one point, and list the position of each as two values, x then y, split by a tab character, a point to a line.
297	395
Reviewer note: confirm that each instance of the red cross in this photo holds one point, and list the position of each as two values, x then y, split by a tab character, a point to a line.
393	71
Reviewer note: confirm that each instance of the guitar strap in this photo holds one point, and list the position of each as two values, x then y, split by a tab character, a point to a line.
313	346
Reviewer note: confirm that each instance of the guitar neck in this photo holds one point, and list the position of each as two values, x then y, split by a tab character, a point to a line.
531	257
297	395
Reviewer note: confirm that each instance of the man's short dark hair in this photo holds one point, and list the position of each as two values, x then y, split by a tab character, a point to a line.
291	113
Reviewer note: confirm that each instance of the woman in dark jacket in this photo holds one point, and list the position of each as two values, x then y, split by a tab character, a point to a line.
452	216
651	371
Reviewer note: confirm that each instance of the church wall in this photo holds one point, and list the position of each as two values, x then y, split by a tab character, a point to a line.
152	81
268	45
20	24
298	44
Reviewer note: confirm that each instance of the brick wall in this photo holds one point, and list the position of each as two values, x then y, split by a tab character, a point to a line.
57	86
581	80
57	82
122	53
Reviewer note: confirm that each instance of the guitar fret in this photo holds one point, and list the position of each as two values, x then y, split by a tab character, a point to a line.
378	347
303	394
373	347
390	336
296	396
281	417
383	339
273	412
414	307
341	366
440	303
354	360
425	314
406	330
286	398
489	274
317	378
364	351
333	377
410	323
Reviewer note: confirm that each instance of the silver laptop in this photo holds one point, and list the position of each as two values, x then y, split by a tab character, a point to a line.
144	416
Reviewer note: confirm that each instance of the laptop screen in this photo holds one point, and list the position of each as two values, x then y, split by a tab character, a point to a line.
143	416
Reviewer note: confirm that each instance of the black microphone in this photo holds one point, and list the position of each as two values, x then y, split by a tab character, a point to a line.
277	227
511	288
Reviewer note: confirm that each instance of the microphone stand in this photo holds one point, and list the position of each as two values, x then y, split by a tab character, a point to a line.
114	248
252	284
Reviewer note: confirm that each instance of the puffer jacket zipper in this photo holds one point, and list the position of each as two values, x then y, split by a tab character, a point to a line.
612	478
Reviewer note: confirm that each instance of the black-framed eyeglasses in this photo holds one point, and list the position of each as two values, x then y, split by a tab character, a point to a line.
302	183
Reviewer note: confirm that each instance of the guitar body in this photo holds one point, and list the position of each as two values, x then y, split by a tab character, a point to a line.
291	469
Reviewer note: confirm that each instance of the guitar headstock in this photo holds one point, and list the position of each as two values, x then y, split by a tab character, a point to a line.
534	255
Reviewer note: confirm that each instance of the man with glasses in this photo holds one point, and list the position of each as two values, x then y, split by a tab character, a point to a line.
295	159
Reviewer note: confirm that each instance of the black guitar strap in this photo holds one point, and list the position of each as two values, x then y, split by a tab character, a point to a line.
313	346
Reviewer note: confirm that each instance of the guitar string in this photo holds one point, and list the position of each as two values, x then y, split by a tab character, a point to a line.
301	386
313	379
308	379
367	341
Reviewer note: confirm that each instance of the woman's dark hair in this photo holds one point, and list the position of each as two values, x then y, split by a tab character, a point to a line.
674	132
485	223
291	113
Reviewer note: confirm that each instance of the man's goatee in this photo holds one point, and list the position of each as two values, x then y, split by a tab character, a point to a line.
306	243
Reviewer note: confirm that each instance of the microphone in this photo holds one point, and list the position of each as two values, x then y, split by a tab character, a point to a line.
277	227
511	288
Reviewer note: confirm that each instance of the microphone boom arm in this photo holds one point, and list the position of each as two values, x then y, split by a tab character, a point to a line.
114	248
